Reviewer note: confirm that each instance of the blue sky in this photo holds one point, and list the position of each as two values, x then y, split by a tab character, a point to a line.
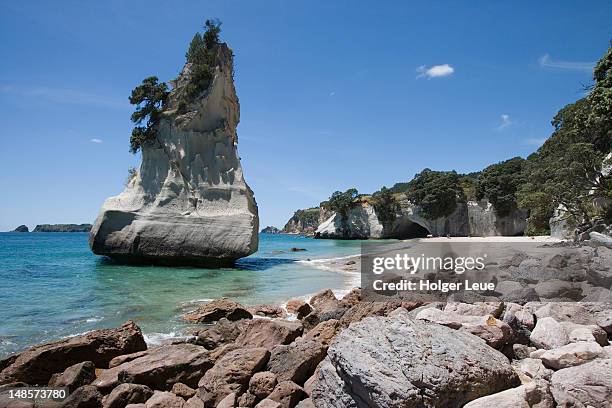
334	94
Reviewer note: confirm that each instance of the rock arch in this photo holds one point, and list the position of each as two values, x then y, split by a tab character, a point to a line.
408	227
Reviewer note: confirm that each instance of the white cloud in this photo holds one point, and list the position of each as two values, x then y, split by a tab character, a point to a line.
98	141
435	71
546	62
534	141
505	122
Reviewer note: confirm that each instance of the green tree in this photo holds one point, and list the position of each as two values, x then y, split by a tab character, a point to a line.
436	192
340	202
600	100
149	98
202	54
212	29
499	184
385	205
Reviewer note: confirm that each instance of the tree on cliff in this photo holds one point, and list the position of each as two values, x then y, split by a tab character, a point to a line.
499	183
436	192
340	202
566	171
385	205
201	54
149	98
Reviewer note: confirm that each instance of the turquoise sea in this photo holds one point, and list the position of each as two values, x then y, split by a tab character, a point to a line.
52	286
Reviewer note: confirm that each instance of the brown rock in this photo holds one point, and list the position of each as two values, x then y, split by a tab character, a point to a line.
228	402
125	358
324	301
352	298
268	403
247	400
182	390
296	361
309	384
37	364
160	368
125	394
164	400
217	309
299	308
287	394
262	384
268	333
268	311
231	373
221	333
74	376
324	332
86	396
194	402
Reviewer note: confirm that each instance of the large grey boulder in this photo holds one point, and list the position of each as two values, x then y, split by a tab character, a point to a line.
586	385
188	203
398	361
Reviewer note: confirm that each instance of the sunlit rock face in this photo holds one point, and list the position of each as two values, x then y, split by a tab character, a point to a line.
188	202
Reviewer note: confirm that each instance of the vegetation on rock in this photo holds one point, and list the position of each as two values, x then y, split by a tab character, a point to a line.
201	55
436	192
566	171
385	205
499	183
149	98
341	202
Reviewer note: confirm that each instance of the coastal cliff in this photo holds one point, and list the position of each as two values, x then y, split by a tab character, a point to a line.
475	218
62	228
305	221
188	203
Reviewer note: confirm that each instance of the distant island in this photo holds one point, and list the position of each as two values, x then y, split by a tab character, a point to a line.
62	228
270	230
21	228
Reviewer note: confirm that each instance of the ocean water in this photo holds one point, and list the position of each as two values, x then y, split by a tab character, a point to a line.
52	286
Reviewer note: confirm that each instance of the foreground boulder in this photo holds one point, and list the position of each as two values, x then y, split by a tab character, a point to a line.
216	310
586	385
37	364
159	368
230	374
126	394
74	376
188	203
532	395
268	333
399	361
296	361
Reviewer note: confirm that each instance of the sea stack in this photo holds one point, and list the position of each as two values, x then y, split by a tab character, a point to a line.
188	203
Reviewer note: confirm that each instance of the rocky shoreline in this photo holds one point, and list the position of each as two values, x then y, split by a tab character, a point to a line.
338	353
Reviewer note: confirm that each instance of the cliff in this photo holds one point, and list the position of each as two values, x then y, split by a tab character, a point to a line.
270	230
305	221
188	203
471	218
62	228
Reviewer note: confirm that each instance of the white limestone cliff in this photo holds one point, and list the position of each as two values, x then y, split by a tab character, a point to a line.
471	218
188	202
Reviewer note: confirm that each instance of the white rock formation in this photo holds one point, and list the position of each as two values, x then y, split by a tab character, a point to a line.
471	218
189	202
